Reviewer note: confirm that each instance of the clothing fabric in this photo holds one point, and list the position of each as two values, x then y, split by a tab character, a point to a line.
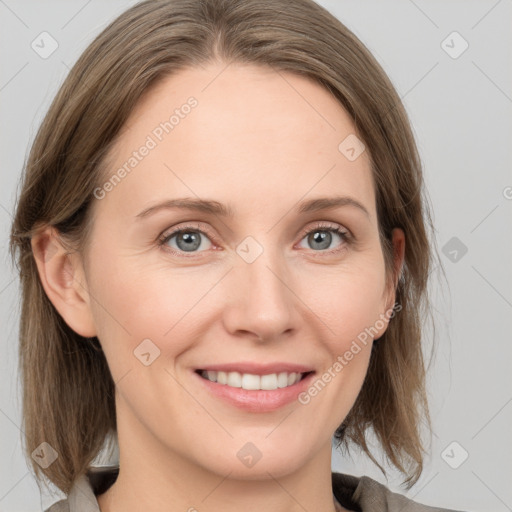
357	494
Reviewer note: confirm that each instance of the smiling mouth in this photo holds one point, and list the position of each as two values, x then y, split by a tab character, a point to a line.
251	381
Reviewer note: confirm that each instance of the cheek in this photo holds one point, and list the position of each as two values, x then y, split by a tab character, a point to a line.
350	305
348	301
172	307
133	304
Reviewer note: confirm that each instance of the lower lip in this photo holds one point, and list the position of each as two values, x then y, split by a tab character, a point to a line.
257	400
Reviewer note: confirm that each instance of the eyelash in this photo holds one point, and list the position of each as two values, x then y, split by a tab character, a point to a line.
163	239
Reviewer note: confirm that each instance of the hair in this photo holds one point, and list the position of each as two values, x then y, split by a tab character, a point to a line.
67	389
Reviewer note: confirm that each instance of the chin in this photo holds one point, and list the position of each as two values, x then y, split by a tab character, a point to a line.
249	462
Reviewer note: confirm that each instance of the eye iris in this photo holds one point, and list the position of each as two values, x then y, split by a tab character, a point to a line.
322	237
191	240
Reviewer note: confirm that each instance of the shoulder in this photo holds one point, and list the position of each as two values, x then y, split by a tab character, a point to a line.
363	494
360	494
60	506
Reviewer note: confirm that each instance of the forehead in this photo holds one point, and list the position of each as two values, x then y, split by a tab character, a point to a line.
247	136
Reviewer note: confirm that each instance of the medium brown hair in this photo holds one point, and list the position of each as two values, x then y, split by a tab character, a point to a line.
68	391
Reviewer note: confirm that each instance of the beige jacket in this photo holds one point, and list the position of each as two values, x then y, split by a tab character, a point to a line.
358	494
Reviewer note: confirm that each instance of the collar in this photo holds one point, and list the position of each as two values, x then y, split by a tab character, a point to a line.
357	494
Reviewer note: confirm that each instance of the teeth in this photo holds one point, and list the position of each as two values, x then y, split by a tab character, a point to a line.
283	379
253	382
234	380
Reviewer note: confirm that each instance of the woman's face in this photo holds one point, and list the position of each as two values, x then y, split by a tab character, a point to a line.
250	288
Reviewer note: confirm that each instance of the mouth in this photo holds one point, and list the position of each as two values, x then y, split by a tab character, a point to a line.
254	382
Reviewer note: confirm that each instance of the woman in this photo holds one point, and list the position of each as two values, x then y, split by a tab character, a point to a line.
173	293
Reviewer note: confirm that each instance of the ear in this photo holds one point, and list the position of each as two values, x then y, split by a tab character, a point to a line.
398	241
62	275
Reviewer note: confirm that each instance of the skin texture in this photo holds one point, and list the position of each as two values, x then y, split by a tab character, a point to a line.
260	141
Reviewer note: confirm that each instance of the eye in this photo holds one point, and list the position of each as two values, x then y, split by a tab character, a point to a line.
187	239
190	238
320	237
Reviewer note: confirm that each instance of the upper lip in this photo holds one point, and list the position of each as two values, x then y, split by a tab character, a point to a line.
258	369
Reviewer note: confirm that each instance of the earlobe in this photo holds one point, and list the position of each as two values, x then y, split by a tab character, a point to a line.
63	279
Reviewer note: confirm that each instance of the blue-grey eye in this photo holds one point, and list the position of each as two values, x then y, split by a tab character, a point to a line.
185	240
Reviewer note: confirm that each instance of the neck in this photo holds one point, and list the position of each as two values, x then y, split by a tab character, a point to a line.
154	478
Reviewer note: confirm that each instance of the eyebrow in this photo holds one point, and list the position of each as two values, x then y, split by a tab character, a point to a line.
216	208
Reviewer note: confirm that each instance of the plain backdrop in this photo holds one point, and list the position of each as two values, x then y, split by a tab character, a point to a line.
451	64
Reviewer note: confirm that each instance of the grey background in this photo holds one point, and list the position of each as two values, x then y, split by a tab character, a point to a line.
461	113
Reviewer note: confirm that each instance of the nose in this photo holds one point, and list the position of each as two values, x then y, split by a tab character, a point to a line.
261	302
